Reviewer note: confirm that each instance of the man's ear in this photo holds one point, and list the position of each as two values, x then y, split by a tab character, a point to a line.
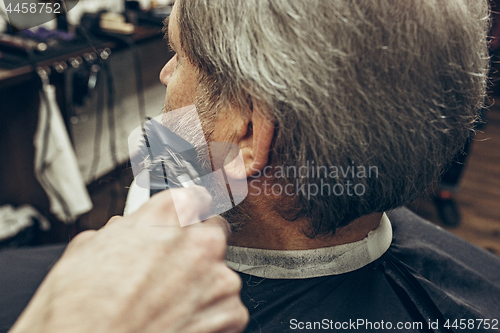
254	138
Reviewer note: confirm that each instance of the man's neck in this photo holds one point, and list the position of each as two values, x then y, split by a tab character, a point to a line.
268	230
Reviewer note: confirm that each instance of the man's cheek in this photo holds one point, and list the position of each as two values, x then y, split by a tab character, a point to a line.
171	99
165	105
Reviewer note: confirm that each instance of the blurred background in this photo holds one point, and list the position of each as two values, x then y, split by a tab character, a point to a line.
73	85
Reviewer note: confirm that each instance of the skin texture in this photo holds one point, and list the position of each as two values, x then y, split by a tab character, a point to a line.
260	226
143	273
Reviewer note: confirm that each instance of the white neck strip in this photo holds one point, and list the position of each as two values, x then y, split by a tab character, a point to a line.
303	264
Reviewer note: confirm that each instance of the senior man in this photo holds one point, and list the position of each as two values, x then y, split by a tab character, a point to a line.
342	110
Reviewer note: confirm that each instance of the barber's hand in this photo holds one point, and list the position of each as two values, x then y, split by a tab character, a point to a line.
143	273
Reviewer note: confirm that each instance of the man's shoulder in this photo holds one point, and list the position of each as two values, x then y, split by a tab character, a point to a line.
417	240
452	270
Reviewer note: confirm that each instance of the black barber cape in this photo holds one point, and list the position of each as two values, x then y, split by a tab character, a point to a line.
427	281
21	272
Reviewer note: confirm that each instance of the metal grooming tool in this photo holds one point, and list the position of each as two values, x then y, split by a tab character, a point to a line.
169	159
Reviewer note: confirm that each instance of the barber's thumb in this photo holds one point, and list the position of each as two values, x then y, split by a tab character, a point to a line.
192	204
113	219
80	240
221	222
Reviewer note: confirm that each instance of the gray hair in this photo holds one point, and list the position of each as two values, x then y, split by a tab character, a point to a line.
386	83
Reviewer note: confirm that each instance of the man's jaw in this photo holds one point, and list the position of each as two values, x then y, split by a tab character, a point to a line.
197	128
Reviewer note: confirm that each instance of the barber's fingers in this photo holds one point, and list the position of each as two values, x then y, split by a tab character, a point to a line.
165	207
192	205
219	221
80	240
196	197
113	219
236	318
210	237
225	311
